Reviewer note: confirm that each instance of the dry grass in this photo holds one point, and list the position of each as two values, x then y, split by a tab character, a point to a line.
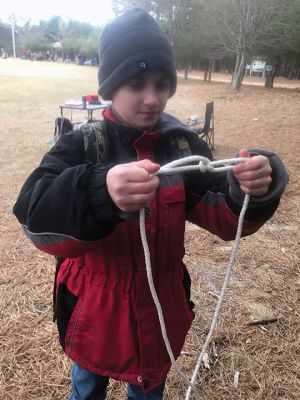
265	281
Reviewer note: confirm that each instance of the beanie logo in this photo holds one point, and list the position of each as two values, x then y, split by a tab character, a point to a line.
143	65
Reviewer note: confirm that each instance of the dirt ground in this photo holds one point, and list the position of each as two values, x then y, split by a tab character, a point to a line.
264	282
254	80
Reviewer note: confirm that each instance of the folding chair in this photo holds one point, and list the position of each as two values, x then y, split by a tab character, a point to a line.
208	131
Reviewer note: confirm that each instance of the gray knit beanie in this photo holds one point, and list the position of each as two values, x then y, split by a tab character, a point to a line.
132	43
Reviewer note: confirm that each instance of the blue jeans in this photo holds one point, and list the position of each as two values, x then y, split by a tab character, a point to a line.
89	386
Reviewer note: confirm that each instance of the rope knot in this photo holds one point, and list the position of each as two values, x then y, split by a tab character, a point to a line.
204	166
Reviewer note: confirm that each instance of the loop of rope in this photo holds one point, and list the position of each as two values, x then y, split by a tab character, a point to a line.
204	164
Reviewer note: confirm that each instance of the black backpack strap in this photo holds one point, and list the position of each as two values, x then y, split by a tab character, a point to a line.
184	148
182	145
62	126
94	142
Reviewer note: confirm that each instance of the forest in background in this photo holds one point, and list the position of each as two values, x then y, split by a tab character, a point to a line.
215	35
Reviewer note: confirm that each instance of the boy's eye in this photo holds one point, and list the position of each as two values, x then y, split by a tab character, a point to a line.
136	84
164	84
139	84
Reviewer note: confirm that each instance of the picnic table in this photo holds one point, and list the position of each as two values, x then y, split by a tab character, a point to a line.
80	106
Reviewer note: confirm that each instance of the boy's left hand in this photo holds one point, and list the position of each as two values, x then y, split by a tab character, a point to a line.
254	175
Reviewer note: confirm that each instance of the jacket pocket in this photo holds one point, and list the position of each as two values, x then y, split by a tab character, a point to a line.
65	305
187	288
172	223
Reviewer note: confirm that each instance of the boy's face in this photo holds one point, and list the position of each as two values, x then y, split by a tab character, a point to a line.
141	99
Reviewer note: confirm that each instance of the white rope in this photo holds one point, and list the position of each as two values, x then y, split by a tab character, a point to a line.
204	164
222	294
157	303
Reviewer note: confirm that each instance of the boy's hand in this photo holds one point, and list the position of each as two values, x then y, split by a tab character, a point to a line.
131	185
254	176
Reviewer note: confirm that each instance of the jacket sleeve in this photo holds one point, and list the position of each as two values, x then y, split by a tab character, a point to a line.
64	206
214	200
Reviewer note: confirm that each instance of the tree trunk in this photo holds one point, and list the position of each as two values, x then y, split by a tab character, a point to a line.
294	69
239	71
269	83
186	71
270	76
211	68
298	71
206	70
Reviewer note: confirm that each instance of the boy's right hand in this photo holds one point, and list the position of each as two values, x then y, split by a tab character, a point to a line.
131	186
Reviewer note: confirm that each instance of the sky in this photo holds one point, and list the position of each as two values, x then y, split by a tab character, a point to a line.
96	12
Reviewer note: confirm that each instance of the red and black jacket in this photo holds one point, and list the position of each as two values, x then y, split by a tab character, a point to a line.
106	317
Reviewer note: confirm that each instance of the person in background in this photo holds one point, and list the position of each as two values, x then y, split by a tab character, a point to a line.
86	214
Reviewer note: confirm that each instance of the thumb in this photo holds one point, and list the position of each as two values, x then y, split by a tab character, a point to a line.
244	153
240	166
148	165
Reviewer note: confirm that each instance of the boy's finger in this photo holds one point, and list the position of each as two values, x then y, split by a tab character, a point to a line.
244	153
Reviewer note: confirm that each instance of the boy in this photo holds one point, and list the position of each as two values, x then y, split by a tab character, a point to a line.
87	214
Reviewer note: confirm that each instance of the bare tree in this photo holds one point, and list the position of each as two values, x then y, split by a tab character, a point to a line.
236	27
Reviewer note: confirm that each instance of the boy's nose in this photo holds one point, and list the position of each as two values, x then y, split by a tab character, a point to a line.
151	97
